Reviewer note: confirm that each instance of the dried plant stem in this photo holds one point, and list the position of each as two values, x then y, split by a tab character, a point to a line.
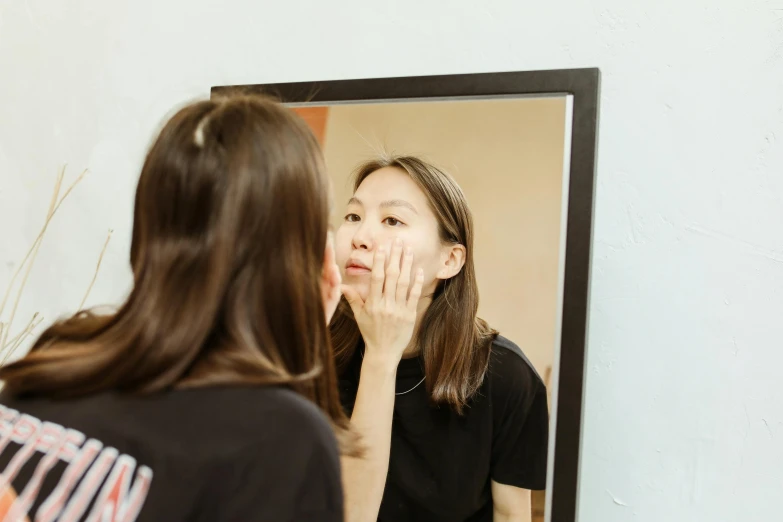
95	275
56	193
31	255
33	252
14	343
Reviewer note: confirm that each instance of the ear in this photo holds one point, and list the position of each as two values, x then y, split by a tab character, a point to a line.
453	261
330	265
330	280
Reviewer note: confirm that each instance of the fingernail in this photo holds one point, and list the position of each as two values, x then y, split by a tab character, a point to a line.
408	251
398	242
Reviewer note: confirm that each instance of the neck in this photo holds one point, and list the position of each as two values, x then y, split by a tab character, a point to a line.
413	348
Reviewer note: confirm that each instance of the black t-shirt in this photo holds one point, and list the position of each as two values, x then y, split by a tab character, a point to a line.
208	454
442	464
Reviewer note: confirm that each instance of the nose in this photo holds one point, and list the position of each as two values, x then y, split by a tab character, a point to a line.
363	239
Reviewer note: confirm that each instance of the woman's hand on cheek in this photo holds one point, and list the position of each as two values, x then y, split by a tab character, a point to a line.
387	317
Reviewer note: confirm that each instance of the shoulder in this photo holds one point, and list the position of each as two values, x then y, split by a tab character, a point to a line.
283	463
229	419
294	407
510	372
289	415
507	360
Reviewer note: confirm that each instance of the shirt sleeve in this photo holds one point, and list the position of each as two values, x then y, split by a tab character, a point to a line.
521	422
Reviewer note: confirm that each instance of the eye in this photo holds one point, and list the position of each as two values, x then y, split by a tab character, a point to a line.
351	218
393	222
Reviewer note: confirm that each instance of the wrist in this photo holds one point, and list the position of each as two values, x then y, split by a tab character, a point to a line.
380	364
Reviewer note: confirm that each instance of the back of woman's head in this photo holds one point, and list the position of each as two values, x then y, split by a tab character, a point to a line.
230	227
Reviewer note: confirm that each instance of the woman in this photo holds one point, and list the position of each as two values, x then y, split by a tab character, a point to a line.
453	416
203	396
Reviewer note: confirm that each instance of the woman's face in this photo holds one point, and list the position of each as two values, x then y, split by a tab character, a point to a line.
389	205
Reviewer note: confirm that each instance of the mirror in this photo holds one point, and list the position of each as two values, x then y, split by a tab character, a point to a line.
520	147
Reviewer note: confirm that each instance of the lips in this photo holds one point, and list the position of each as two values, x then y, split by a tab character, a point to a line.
356	266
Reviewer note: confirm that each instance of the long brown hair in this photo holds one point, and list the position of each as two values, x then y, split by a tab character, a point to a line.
229	235
455	343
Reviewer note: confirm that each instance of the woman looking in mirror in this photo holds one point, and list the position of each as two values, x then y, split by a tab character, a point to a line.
211	393
453	416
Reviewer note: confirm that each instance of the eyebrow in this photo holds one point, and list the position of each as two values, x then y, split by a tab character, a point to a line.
386	204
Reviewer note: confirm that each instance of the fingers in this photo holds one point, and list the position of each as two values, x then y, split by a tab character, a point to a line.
404	282
377	276
418	283
393	271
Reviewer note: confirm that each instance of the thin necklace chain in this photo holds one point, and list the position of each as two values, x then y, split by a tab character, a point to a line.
417	385
403	393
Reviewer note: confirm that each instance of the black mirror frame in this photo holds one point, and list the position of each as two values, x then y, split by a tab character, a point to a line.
584	86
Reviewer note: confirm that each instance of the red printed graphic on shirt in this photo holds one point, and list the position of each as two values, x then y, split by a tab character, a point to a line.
96	477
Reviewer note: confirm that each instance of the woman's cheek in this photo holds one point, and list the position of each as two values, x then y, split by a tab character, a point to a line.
343	236
341	255
429	276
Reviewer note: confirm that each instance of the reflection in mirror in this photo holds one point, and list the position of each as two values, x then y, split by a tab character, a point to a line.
470	419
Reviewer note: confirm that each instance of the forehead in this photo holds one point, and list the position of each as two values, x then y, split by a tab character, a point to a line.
390	183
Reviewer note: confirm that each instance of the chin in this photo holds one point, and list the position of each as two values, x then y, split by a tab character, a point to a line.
362	287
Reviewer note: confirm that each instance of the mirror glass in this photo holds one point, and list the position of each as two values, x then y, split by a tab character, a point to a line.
509	156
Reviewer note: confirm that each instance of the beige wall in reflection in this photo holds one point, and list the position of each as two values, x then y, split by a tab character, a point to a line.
507	155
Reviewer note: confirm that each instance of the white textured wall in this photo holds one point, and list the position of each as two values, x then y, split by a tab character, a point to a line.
684	415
